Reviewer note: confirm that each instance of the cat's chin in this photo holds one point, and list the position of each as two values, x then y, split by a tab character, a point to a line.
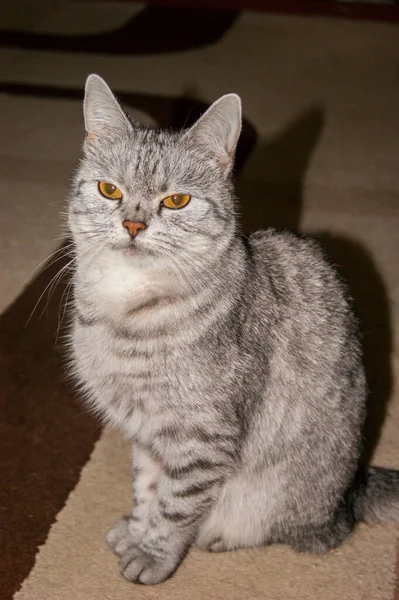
132	250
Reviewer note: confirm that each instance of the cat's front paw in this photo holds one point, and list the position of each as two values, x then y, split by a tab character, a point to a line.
139	567
123	535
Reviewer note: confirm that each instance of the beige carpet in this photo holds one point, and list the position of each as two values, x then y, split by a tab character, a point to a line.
74	564
323	96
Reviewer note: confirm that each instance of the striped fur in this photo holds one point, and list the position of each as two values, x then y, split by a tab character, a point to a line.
233	365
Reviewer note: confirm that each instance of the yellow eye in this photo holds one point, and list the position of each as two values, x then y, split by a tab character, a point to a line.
109	190
176	201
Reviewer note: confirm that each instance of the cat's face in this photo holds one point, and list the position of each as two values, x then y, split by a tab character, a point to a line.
154	195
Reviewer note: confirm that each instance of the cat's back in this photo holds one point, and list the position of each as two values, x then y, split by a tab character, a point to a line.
309	323
298	273
310	337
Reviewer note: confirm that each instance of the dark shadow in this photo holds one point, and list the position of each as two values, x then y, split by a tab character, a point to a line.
270	185
171	112
46	435
155	30
369	292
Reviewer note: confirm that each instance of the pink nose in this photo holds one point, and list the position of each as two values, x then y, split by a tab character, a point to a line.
133	228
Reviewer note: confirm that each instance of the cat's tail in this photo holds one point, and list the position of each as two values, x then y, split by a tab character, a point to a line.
376	499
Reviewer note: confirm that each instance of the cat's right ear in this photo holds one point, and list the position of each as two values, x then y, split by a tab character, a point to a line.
103	116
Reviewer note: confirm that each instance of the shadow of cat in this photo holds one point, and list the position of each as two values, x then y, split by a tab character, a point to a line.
270	189
270	186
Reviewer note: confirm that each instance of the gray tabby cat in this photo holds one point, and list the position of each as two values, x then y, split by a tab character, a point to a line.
232	364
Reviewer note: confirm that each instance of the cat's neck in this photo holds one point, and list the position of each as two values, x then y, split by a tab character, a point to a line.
120	289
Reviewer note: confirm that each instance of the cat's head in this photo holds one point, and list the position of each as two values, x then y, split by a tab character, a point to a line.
153	194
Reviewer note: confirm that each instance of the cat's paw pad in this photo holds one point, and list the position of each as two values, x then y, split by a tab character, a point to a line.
139	567
123	536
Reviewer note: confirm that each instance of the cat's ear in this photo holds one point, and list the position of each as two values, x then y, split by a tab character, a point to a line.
103	116
219	128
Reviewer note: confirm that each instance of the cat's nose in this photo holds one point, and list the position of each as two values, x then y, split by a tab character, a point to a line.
133	227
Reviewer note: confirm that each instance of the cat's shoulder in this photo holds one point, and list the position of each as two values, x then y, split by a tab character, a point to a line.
283	243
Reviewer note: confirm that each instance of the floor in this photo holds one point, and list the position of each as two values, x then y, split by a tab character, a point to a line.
319	153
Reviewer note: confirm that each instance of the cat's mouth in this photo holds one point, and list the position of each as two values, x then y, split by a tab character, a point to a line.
131	248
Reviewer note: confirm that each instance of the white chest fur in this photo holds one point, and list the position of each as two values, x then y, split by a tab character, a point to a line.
114	284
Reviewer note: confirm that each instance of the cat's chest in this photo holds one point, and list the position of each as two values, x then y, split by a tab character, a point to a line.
129	380
138	389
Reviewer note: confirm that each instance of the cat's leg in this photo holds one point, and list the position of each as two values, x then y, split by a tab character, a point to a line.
183	497
252	511
128	531
242	517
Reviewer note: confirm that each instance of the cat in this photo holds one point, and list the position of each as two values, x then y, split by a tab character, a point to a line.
233	363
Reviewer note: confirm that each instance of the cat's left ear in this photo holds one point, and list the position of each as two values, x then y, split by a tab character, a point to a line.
219	128
103	116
